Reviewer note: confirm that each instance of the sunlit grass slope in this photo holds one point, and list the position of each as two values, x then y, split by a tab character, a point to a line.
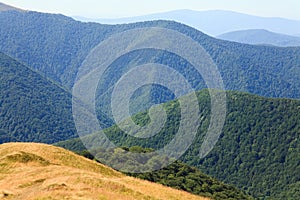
39	171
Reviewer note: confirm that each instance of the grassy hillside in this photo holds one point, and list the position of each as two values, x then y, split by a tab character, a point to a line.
258	150
177	175
32	108
259	147
39	171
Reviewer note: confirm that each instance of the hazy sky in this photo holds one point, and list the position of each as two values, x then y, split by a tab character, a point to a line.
125	8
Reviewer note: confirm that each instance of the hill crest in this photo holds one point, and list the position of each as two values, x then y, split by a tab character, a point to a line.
40	171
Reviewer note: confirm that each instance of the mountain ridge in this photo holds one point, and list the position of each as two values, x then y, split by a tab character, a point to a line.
257	150
275	75
214	24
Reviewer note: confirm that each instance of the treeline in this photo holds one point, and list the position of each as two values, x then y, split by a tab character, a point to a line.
177	175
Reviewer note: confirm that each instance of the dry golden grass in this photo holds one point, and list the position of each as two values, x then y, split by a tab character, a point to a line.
39	171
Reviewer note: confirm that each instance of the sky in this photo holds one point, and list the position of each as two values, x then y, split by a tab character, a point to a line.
126	8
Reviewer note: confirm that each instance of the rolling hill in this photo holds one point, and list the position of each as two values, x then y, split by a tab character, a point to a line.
258	150
56	46
39	171
213	22
180	176
262	37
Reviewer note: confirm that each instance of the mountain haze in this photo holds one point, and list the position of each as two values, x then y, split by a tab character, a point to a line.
262	37
4	7
258	150
56	46
214	22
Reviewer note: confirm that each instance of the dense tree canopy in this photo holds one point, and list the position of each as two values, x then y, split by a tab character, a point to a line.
32	108
258	150
56	46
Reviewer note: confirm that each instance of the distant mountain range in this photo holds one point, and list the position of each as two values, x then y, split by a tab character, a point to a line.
261	37
56	46
258	150
214	22
259	29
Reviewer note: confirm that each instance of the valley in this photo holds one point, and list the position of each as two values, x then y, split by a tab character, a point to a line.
256	155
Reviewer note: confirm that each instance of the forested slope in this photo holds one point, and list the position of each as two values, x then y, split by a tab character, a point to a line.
32	108
258	150
56	46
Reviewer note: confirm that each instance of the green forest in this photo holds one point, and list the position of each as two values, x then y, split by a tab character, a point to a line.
258	150
56	45
32	108
180	176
